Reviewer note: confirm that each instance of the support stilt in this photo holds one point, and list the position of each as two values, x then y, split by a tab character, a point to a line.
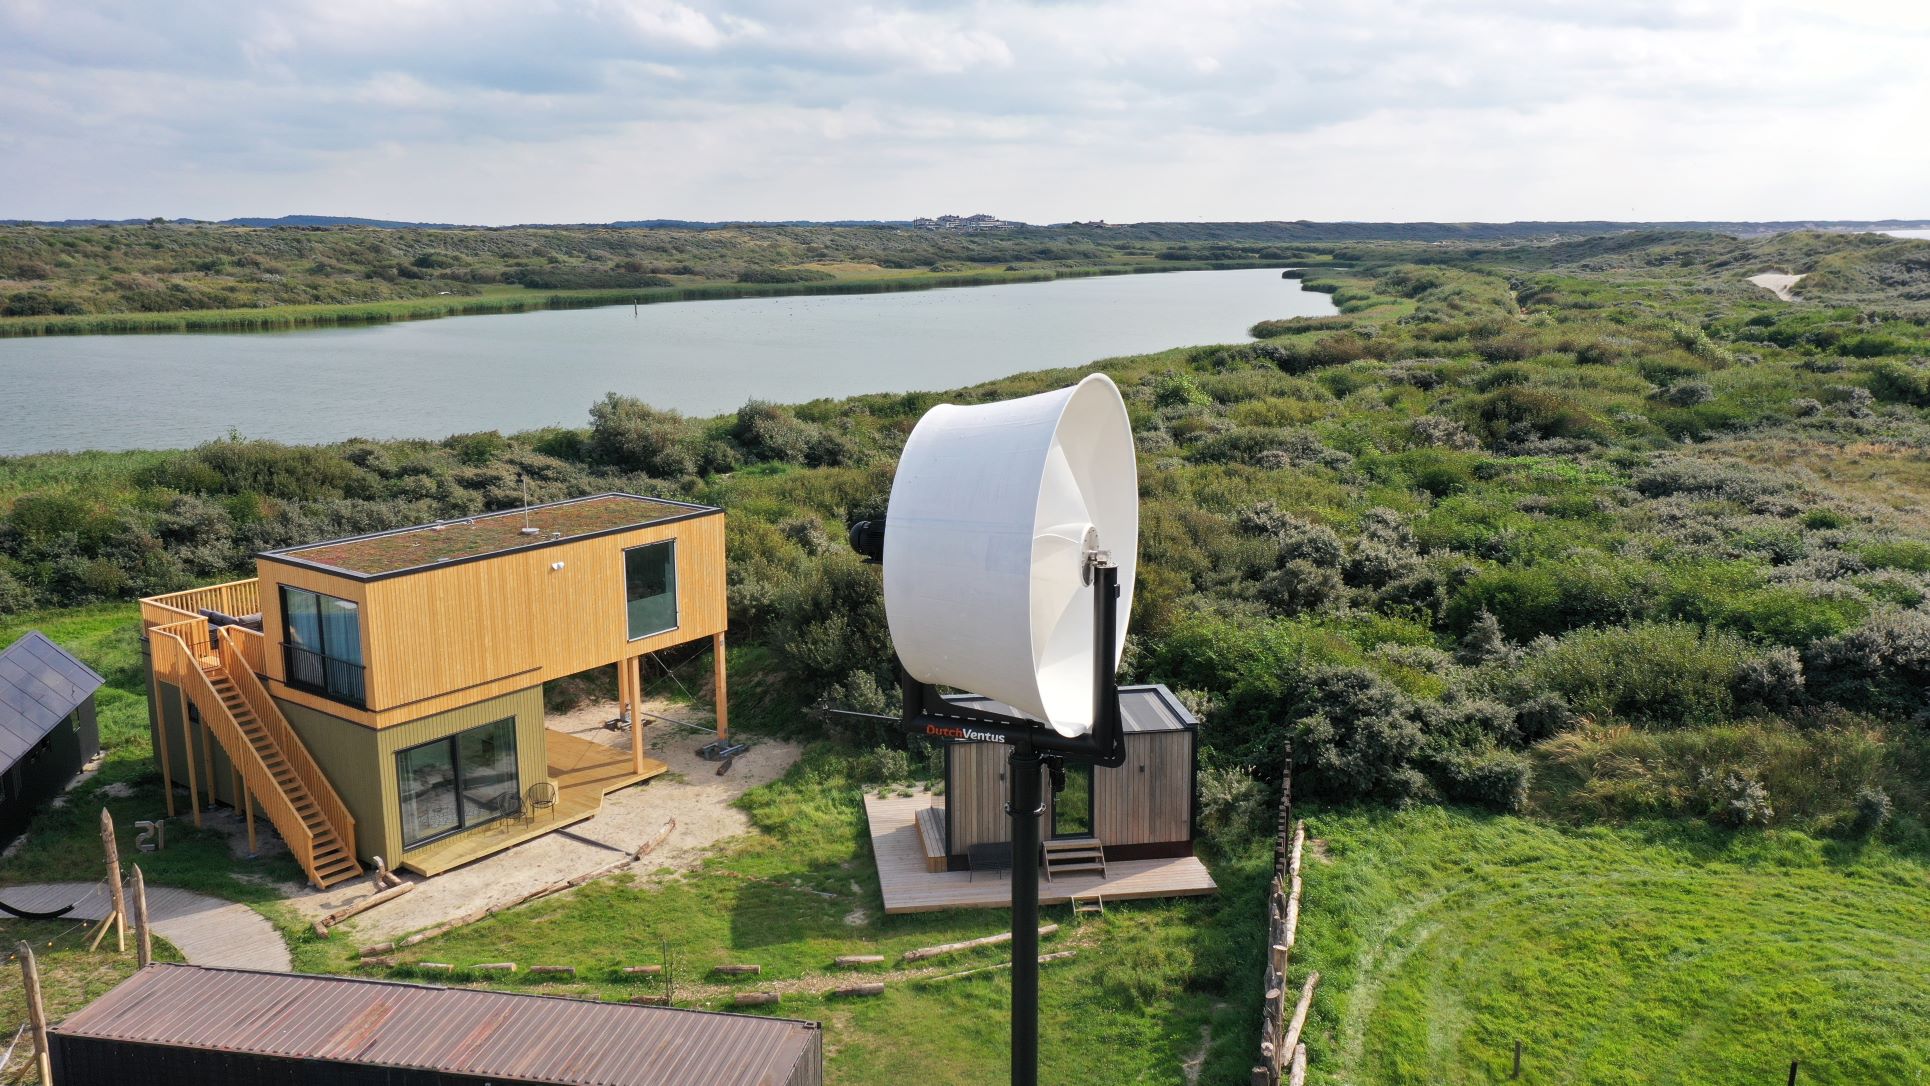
634	666
187	740
719	681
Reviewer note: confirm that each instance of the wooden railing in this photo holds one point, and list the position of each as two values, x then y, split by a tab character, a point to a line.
1283	1058
192	634
235	598
252	646
235	652
176	657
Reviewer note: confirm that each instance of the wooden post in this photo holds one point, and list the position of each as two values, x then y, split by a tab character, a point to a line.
143	935
187	739
1517	1071
207	762
721	682
632	667
114	879
248	811
1793	1065
36	1011
161	742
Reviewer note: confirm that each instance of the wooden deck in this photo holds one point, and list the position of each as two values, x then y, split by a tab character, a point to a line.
584	772
909	888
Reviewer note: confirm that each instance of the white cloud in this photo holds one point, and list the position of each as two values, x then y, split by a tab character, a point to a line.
561	110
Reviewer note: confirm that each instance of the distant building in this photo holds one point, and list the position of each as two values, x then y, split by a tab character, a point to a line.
966	224
47	727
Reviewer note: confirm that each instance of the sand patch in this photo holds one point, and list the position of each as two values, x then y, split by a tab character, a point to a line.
1781	285
691	792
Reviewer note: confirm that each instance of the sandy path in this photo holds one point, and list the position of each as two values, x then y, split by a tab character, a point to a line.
692	793
206	930
1782	286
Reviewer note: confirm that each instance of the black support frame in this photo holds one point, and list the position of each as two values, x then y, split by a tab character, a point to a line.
1035	748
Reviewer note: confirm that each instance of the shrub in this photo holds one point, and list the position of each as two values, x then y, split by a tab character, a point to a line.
1494	778
1233	806
1882	666
478	448
784	275
1301	587
1873	809
1664	674
769	432
1518	413
1895	382
629	434
1176	389
1772	680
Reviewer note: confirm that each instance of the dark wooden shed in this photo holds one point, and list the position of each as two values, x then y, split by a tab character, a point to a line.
1145	809
47	727
184	1025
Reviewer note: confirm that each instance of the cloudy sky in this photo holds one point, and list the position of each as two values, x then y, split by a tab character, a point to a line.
481	111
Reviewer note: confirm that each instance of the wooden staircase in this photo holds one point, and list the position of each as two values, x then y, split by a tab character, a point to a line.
1074	856
330	860
277	770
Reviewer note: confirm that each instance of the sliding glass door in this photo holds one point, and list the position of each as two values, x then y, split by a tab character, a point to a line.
457	782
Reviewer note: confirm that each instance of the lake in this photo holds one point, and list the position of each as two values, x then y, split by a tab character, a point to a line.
526	370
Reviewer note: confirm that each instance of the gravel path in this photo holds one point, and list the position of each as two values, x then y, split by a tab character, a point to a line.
206	930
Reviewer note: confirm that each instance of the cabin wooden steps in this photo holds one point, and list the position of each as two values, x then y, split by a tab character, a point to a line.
1095	903
332	860
1074	856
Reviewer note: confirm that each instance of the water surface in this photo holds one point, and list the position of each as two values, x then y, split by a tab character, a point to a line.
525	370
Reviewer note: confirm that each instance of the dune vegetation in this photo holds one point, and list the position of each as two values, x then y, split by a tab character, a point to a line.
1587	581
202	277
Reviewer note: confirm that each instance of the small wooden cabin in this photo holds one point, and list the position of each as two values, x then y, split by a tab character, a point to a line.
1146	809
47	727
185	1025
382	695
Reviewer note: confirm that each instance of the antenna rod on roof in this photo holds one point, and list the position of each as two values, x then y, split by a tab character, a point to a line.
524	480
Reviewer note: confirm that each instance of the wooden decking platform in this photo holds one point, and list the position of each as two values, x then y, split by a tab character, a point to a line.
584	772
908	887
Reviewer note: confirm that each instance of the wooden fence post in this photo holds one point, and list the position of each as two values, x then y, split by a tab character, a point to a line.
114	880
36	1011
143	935
1517	1071
1793	1065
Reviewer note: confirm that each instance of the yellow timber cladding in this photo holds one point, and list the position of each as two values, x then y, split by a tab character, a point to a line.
361	761
439	638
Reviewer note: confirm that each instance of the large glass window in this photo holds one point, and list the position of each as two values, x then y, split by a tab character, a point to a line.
322	644
650	587
1072	808
464	780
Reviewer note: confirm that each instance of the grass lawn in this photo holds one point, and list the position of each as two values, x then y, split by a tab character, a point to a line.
1654	954
1136	1001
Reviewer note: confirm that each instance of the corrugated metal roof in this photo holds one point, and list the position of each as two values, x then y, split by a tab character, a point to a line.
40	683
515	1038
1147	708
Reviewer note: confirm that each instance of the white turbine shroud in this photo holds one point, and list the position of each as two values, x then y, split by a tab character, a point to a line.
994	514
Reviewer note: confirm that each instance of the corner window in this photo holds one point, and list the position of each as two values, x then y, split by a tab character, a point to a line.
322	644
458	782
650	587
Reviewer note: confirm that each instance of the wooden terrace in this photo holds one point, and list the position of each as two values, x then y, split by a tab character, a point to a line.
584	771
909	886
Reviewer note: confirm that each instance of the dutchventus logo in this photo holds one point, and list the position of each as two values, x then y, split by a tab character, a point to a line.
963	733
